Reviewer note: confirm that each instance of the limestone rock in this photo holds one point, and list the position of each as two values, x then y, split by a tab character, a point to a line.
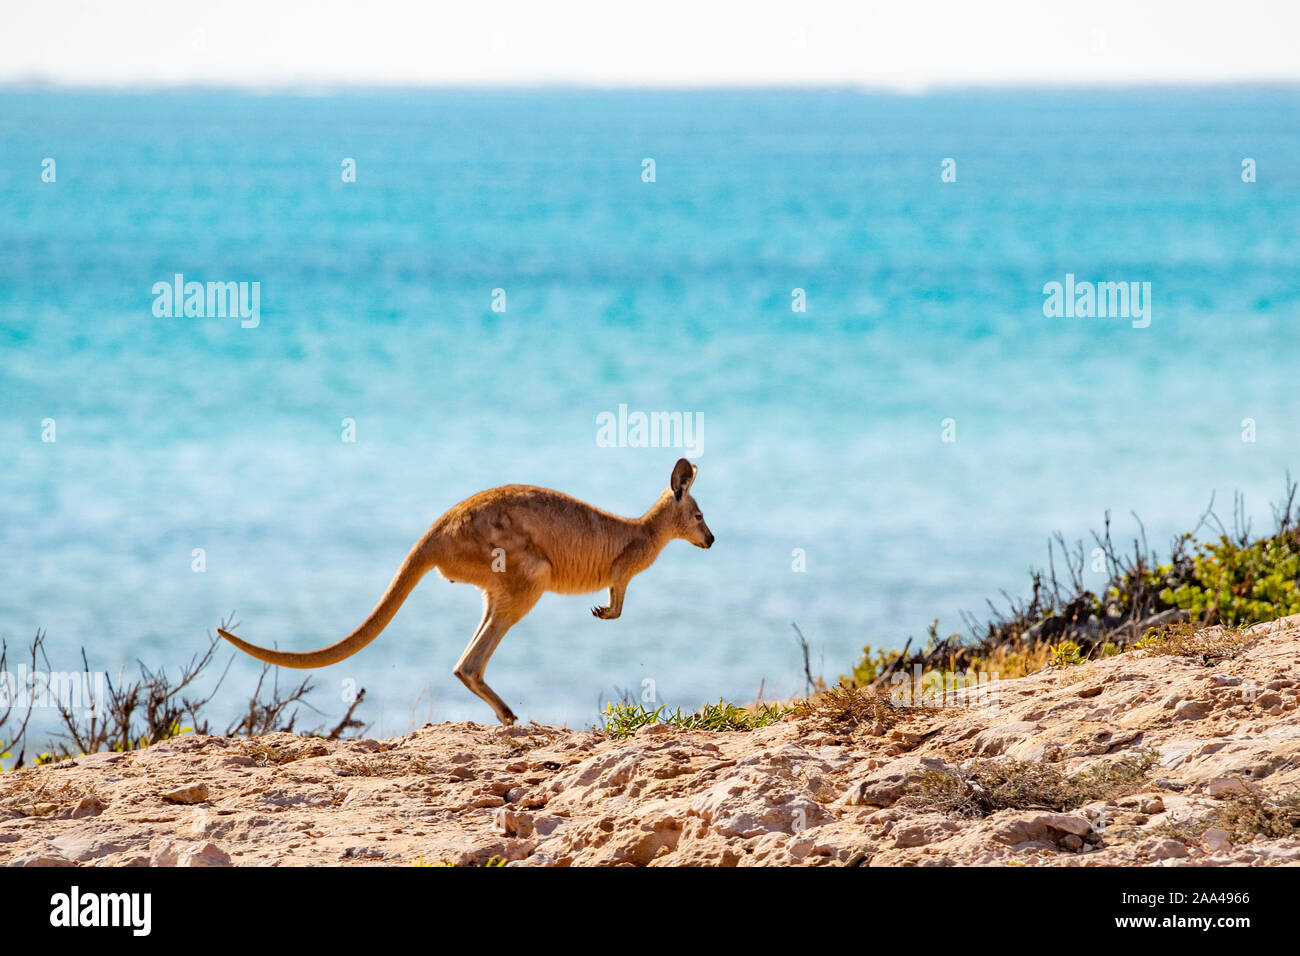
190	793
883	786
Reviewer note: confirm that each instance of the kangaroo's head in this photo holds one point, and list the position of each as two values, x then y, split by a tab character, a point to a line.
688	519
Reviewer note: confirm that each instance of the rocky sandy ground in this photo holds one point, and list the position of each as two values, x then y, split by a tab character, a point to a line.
796	792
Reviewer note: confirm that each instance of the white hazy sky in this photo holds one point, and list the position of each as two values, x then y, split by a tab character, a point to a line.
902	44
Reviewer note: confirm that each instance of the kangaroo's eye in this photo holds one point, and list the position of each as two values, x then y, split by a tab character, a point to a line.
699	517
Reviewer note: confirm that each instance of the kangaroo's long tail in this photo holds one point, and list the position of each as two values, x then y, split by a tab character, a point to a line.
417	564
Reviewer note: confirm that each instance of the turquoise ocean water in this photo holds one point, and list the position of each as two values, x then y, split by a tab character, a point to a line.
822	429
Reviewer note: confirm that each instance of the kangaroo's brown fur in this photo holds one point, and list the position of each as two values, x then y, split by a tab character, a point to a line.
517	542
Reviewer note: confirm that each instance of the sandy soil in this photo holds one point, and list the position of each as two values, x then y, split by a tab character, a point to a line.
799	792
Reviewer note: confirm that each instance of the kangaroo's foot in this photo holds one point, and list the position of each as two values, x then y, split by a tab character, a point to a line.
479	686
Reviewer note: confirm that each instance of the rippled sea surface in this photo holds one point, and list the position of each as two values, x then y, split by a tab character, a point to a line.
822	429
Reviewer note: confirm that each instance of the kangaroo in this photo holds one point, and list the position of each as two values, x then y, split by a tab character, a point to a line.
515	543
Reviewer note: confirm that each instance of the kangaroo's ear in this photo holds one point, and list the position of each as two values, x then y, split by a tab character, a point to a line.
683	477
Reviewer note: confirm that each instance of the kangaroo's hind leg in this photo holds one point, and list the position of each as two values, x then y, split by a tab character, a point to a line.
502	610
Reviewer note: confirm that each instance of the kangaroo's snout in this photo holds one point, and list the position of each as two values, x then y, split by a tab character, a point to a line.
708	540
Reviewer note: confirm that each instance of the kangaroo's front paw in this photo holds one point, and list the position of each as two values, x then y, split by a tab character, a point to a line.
604	613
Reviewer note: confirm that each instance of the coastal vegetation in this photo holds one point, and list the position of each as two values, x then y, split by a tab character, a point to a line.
987	786
1193	602
624	718
133	713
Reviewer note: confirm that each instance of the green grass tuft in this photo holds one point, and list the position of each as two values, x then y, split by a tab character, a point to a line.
623	719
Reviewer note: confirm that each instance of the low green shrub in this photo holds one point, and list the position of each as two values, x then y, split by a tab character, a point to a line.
622	719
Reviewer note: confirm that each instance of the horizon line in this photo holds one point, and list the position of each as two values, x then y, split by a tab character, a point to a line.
318	88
